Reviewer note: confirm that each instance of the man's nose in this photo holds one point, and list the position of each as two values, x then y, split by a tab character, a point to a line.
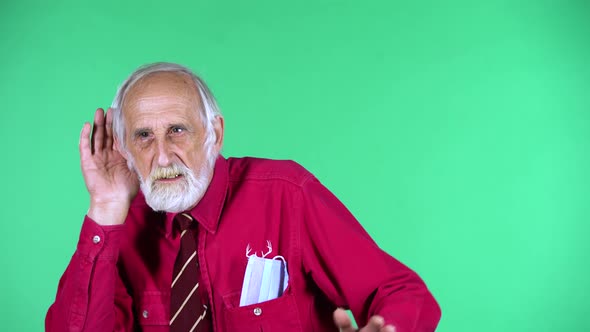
164	153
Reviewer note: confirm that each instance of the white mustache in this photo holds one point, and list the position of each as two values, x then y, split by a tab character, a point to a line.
170	172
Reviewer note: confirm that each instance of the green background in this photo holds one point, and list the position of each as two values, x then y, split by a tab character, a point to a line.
456	131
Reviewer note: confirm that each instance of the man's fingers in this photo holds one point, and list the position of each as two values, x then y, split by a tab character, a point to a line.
98	131
342	321
375	324
388	328
109	129
84	144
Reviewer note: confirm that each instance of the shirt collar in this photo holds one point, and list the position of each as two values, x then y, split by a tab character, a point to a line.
208	211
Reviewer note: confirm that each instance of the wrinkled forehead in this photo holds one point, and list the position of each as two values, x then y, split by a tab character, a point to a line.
162	91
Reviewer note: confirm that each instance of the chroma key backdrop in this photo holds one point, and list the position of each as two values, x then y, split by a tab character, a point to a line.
457	132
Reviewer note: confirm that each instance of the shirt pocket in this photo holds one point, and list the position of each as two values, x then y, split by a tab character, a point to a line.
152	311
277	315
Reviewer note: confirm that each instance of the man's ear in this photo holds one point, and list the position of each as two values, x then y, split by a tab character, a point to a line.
117	147
218	128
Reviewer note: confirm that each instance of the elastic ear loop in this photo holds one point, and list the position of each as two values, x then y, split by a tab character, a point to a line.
281	258
286	270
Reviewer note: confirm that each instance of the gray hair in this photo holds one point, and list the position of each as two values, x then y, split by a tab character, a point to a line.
209	109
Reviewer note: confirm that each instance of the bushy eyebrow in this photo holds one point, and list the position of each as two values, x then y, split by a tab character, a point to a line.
140	130
180	125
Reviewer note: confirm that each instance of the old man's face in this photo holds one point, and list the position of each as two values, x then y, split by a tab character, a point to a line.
165	139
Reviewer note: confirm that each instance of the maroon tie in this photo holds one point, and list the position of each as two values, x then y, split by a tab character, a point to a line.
188	311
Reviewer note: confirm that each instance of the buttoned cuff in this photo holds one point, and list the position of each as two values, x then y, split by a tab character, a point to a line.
97	241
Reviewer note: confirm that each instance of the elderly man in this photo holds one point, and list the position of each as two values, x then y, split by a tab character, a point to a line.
179	238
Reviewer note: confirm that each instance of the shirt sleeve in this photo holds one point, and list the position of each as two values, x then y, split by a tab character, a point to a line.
91	295
353	272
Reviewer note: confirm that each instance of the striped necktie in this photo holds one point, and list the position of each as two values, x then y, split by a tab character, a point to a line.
188	311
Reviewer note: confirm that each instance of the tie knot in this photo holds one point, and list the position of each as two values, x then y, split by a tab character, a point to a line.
184	221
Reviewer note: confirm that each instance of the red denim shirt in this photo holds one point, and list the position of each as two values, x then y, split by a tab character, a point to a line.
119	277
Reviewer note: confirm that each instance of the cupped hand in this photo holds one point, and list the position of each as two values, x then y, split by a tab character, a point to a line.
375	324
111	184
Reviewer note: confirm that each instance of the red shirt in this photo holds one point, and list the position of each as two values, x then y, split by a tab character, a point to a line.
119	277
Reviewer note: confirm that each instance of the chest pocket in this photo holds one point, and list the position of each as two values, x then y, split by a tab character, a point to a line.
152	311
278	315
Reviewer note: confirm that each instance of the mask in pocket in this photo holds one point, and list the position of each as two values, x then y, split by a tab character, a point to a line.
265	279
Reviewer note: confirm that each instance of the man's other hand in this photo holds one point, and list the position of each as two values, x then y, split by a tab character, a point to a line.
109	181
375	324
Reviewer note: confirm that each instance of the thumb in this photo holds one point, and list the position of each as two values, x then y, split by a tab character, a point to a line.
342	321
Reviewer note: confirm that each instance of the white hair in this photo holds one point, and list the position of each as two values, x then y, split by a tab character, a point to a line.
175	197
180	197
209	109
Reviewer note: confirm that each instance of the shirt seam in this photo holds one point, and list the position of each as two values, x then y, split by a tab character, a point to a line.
273	177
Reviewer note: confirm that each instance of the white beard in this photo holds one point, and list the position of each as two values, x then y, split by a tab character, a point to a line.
179	195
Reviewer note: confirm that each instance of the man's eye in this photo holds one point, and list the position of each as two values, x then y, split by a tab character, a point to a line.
177	130
142	135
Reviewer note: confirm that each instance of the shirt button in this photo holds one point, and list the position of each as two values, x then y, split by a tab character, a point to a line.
257	311
96	239
145	314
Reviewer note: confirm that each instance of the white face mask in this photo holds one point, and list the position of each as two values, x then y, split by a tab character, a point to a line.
265	279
